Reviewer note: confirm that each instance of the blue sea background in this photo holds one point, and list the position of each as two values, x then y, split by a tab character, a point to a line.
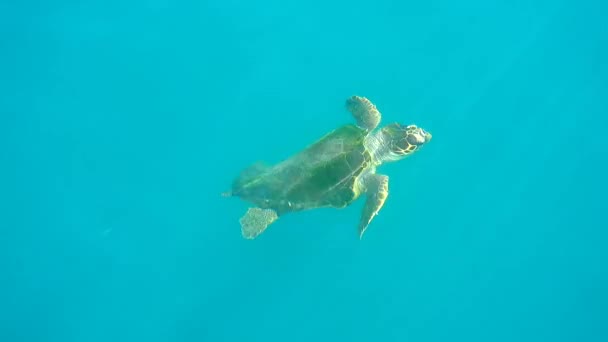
122	122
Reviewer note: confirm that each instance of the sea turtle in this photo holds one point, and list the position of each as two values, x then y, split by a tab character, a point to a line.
332	172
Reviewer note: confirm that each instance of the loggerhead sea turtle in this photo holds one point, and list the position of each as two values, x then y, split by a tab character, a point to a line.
332	172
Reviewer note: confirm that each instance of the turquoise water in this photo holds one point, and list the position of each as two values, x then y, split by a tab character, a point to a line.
122	122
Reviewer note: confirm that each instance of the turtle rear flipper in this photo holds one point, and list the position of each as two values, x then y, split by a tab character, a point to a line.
364	111
253	171
255	221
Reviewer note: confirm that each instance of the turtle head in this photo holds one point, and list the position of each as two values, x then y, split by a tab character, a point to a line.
404	140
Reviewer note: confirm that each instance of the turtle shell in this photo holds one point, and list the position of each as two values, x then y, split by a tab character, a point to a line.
323	174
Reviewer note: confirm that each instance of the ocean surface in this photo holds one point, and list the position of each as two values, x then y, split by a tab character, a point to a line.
122	122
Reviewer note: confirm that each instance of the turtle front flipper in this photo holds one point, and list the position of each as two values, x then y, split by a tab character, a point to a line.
364	111
377	192
255	221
